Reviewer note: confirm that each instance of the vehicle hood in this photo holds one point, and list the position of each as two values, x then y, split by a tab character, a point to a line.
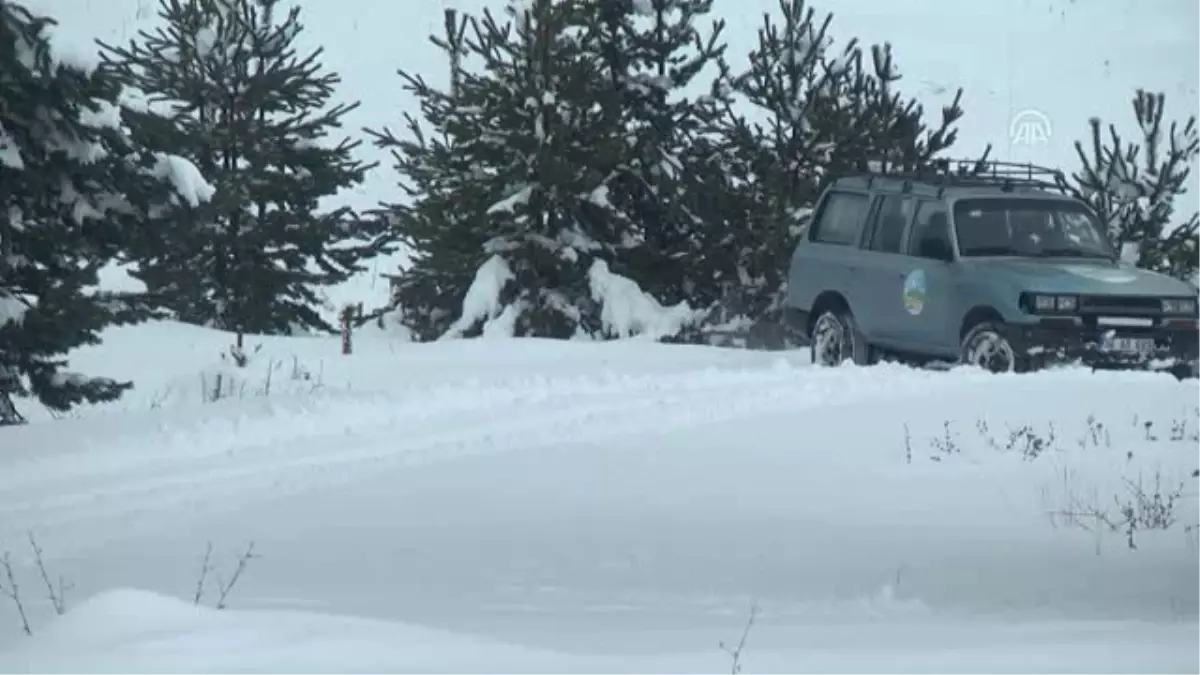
1074	276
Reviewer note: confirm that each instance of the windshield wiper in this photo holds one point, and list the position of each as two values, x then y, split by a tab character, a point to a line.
991	250
1069	253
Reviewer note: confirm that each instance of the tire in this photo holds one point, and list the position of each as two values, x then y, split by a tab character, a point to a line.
835	337
1185	371
986	346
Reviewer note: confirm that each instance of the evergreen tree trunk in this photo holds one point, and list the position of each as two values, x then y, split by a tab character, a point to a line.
8	410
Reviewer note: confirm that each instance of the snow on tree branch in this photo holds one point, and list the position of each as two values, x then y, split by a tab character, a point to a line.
75	189
482	302
628	311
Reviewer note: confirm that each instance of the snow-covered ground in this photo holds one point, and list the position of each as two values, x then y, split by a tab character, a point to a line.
537	506
523	505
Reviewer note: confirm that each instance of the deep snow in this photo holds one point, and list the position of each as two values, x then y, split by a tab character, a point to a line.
123	631
588	506
537	506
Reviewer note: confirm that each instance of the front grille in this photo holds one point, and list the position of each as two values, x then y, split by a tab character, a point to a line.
1120	305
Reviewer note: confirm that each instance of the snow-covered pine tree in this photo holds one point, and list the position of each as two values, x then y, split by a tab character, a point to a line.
255	114
660	64
816	112
506	172
73	191
1133	187
446	190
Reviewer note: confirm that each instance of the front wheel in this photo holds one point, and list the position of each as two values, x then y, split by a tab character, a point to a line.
986	346
835	338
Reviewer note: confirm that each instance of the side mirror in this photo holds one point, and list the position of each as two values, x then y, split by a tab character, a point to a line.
935	247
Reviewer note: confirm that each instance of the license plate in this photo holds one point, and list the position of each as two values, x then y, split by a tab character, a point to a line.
1131	345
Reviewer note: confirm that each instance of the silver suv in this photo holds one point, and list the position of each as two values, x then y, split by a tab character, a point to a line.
989	264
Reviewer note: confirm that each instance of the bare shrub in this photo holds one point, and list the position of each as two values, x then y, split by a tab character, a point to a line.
1139	508
219	386
1025	440
55	590
735	652
11	589
223	587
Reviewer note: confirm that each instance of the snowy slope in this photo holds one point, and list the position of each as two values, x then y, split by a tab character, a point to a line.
538	506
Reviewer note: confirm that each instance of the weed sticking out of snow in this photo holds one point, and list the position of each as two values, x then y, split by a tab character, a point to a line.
1129	506
56	588
224	587
220	384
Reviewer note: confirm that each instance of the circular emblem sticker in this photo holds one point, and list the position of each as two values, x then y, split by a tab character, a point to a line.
914	292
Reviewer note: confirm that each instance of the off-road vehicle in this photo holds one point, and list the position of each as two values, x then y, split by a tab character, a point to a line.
989	264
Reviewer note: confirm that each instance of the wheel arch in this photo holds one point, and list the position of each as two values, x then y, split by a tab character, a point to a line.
824	302
977	315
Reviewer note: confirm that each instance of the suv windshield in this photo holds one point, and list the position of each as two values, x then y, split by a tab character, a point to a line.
1036	228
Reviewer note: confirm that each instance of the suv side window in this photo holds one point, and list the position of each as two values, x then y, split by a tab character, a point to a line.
894	213
932	219
841	219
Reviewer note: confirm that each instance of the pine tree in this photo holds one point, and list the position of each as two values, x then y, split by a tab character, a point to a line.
816	113
1133	188
73	191
446	190
506	174
656	55
256	116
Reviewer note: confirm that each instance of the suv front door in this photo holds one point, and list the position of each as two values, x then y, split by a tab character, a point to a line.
881	318
926	296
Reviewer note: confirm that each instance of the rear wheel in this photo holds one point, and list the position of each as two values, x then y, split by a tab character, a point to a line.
836	338
986	346
1185	371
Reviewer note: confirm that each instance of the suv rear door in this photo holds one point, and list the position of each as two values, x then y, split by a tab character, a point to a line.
829	257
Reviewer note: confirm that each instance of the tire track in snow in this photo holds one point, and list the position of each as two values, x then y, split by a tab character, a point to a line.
219	464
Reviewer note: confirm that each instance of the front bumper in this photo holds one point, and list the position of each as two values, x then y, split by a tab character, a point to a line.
1165	345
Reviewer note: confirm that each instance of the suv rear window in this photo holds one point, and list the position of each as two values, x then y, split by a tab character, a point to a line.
841	219
1028	227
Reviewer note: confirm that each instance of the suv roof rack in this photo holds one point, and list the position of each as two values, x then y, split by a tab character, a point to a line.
950	173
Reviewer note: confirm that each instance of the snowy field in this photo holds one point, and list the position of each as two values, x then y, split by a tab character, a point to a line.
503	506
537	506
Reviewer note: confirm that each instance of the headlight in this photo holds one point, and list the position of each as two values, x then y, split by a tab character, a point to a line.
1052	303
1179	306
